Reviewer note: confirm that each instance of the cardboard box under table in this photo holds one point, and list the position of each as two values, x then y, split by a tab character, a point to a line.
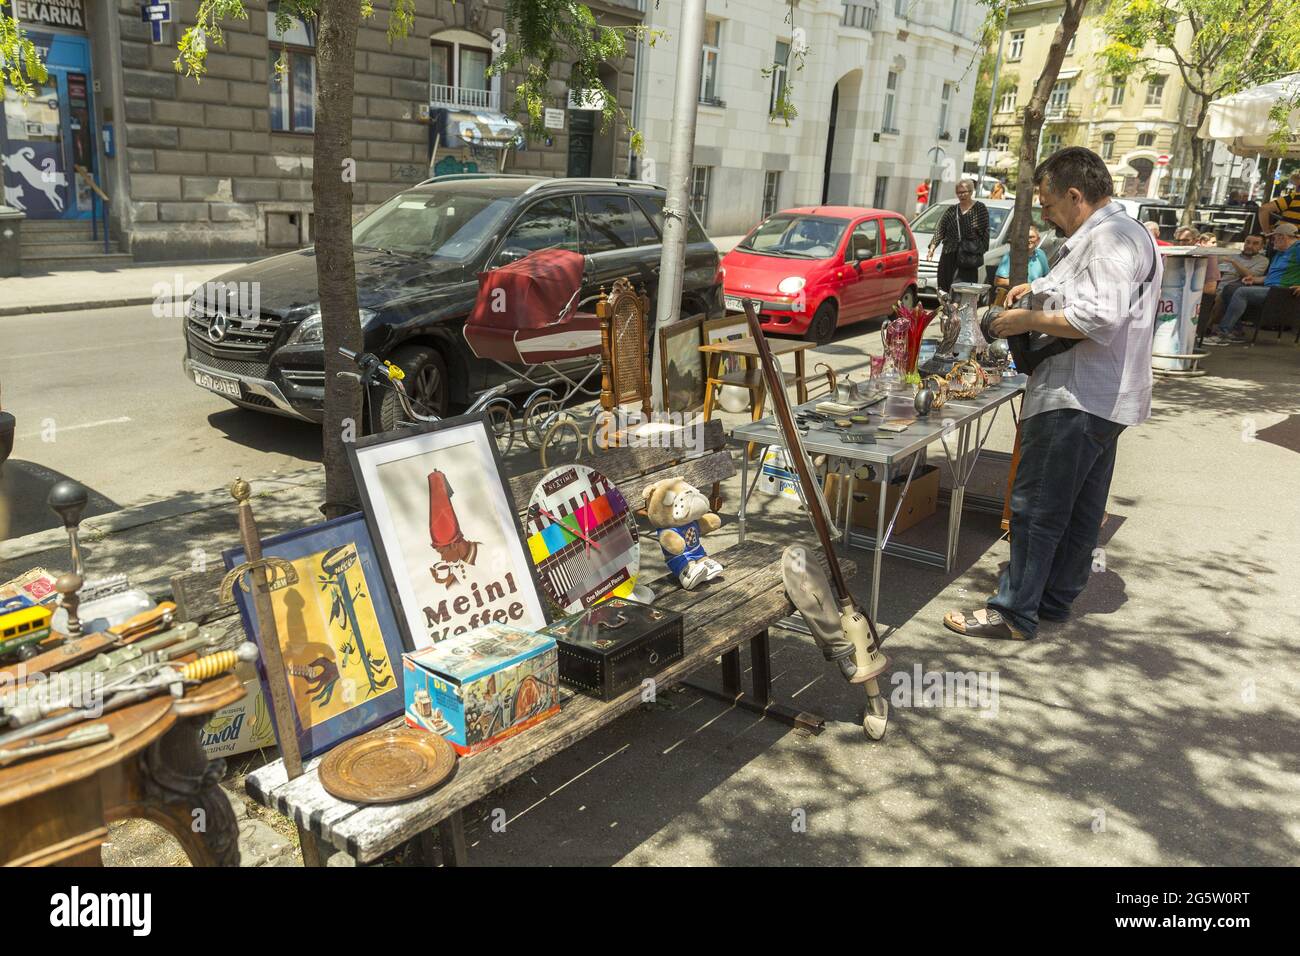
921	501
481	687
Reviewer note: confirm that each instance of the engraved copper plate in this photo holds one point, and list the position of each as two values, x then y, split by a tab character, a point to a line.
387	766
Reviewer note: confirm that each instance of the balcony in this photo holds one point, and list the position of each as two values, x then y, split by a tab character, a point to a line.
859	15
1060	113
464	97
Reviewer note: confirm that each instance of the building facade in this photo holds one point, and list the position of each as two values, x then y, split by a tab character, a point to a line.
222	167
881	94
1143	126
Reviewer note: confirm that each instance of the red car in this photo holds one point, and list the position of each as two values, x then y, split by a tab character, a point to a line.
815	268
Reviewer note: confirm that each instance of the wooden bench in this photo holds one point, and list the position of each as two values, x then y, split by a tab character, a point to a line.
721	616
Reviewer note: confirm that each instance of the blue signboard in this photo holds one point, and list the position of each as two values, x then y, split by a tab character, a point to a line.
156	14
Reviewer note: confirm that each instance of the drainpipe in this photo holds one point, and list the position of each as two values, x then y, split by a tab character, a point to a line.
636	91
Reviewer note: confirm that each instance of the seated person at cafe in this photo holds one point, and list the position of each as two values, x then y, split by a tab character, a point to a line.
1153	227
1232	270
1038	265
1283	272
1185	236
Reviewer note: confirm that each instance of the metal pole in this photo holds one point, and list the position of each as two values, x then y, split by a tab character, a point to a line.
672	263
993	94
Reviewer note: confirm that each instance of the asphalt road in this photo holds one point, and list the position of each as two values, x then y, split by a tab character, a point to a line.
100	396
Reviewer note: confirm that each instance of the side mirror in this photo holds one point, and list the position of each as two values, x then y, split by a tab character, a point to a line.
508	255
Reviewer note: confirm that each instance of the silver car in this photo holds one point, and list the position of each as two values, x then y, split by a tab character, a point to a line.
923	226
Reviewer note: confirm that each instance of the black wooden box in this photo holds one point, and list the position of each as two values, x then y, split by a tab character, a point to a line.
611	647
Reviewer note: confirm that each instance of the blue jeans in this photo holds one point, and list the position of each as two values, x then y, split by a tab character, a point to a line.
1058	501
1242	297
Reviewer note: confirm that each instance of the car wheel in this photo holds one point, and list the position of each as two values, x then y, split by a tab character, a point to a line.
425	382
822	327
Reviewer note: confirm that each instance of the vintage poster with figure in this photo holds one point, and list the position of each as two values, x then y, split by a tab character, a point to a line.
447	530
337	631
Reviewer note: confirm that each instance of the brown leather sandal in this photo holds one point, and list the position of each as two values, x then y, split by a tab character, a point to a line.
982	622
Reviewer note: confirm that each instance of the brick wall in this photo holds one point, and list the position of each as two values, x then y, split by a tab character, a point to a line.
205	173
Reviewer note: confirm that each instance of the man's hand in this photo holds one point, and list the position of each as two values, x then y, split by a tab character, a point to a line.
1251	280
1295	291
1018	293
1014	321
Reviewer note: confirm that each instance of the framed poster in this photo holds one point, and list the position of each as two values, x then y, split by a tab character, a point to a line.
339	636
683	365
446	529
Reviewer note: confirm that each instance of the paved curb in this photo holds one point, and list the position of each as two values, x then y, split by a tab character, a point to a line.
137	515
76	306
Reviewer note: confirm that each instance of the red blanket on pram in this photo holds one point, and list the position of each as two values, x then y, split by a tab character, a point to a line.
526	311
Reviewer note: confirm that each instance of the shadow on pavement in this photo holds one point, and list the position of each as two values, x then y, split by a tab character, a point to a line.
24	486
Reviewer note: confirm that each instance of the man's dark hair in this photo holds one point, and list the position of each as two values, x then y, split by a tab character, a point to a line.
1076	167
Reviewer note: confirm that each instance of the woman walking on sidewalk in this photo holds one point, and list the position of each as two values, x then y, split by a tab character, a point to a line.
964	234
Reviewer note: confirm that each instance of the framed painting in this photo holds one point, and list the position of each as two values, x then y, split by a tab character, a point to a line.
447	530
683	365
337	630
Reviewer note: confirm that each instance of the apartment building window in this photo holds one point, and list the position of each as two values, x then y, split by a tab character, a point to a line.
771	192
1007	102
1001	141
955	21
1156	90
1107	146
900	8
882	193
458	74
1060	96
891	90
780	62
1117	92
1069	47
1051	144
945	98
709	67
700	179
1146	140
1017	47
293	89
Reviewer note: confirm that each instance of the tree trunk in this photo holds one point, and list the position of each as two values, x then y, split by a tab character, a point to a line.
1200	151
1034	113
331	185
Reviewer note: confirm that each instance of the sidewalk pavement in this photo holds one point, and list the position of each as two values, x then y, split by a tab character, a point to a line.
1157	727
77	289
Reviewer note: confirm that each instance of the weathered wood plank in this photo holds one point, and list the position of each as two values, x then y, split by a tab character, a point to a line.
198	596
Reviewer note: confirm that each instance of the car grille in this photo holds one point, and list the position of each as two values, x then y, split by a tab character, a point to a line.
304	377
204	354
926	269
241	337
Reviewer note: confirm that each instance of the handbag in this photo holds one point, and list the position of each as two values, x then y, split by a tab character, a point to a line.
969	254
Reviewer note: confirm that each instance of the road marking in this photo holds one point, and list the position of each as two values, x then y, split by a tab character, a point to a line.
93	348
72	428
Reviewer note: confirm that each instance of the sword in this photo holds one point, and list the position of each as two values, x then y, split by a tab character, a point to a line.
252	576
857	625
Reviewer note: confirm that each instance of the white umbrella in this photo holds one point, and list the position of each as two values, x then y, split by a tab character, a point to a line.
1242	123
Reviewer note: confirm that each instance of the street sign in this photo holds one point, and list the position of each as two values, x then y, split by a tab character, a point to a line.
156	14
1162	160
554	119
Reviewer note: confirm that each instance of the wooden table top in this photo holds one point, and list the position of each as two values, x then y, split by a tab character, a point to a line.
749	347
134	727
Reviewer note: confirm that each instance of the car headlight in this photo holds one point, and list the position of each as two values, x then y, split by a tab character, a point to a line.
790	285
310	332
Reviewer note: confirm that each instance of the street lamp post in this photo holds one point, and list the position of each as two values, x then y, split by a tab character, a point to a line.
993	93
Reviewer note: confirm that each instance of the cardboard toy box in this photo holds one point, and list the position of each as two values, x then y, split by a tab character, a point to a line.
242	726
922	499
481	687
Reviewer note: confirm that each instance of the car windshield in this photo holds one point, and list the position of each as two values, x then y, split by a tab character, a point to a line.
928	221
435	224
801	237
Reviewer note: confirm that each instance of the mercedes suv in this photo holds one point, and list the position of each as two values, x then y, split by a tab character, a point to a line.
418	258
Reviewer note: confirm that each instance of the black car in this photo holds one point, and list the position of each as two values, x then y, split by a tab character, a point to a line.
254	335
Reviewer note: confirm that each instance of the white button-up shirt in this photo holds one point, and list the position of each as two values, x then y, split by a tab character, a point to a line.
1100	281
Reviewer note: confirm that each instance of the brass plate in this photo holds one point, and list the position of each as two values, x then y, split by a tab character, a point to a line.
387	766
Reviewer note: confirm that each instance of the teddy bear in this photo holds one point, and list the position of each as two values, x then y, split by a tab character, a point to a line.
682	515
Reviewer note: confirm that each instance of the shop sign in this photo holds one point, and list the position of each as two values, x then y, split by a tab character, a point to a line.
51	13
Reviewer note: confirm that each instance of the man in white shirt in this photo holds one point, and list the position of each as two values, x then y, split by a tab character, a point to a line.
1100	299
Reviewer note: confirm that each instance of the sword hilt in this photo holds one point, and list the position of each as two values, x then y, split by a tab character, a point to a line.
276	569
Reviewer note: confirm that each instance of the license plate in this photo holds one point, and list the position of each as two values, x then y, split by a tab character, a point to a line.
733	303
222	386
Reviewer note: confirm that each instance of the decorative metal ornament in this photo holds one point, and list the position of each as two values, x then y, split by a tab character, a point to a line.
387	766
